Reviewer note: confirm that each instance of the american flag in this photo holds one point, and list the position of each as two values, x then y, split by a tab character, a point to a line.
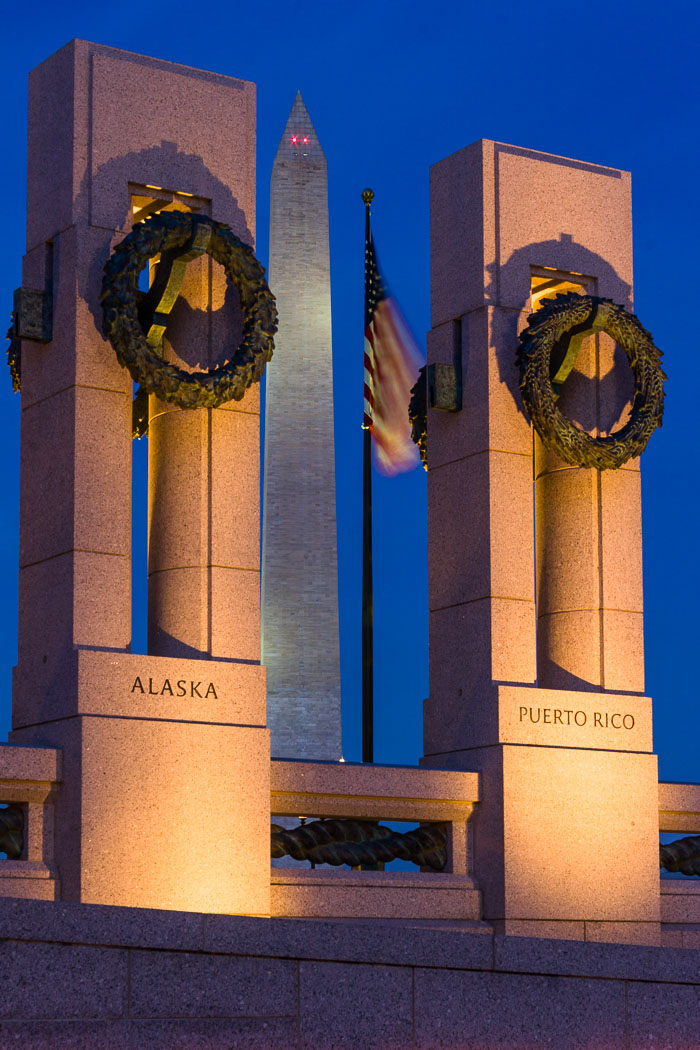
392	362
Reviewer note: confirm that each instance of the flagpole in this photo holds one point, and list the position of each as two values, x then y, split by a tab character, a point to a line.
367	589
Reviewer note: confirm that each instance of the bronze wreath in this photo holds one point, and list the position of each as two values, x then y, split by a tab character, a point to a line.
14	358
547	352
178	231
418	415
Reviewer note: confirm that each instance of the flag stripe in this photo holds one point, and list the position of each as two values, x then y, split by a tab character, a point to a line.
369	380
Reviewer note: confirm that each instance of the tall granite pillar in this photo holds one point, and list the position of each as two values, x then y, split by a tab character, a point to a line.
300	579
152	744
535	591
203	507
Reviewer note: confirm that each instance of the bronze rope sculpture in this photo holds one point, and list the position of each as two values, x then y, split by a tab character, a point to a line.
12	831
682	856
357	842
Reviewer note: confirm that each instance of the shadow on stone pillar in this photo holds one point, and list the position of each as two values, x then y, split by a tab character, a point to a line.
536	648
153	745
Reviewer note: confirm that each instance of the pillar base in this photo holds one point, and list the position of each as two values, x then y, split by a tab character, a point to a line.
566	837
165	801
517	714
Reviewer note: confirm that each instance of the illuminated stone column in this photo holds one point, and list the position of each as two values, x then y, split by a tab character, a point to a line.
75	481
590	612
155	744
300	578
204	508
555	723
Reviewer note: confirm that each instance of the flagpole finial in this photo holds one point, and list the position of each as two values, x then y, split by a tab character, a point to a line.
368	196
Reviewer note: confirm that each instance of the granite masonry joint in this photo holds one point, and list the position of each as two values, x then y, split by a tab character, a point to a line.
545	747
142	718
231	407
487	305
205	565
73	550
104	649
445	946
566	468
480	452
482	598
504	148
72	386
591	609
56	233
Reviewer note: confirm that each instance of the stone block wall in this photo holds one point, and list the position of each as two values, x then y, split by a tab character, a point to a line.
119	979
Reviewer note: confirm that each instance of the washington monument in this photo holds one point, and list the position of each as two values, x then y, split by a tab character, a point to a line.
300	645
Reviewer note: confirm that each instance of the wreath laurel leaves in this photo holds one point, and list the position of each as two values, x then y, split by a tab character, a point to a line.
539	342
545	329
120	298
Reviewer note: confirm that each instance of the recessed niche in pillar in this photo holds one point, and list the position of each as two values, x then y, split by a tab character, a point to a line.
597	397
146	201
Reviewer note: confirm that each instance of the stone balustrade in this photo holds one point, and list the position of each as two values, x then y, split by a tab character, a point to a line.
679	808
679	812
388	793
29	778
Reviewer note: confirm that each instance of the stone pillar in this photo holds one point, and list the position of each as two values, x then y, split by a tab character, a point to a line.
531	696
75	495
590	625
204	528
154	746
203	507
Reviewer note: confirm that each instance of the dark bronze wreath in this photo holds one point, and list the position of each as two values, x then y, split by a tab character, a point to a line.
418	415
546	355
177	233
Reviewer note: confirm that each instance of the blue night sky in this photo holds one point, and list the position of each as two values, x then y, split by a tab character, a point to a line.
391	88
